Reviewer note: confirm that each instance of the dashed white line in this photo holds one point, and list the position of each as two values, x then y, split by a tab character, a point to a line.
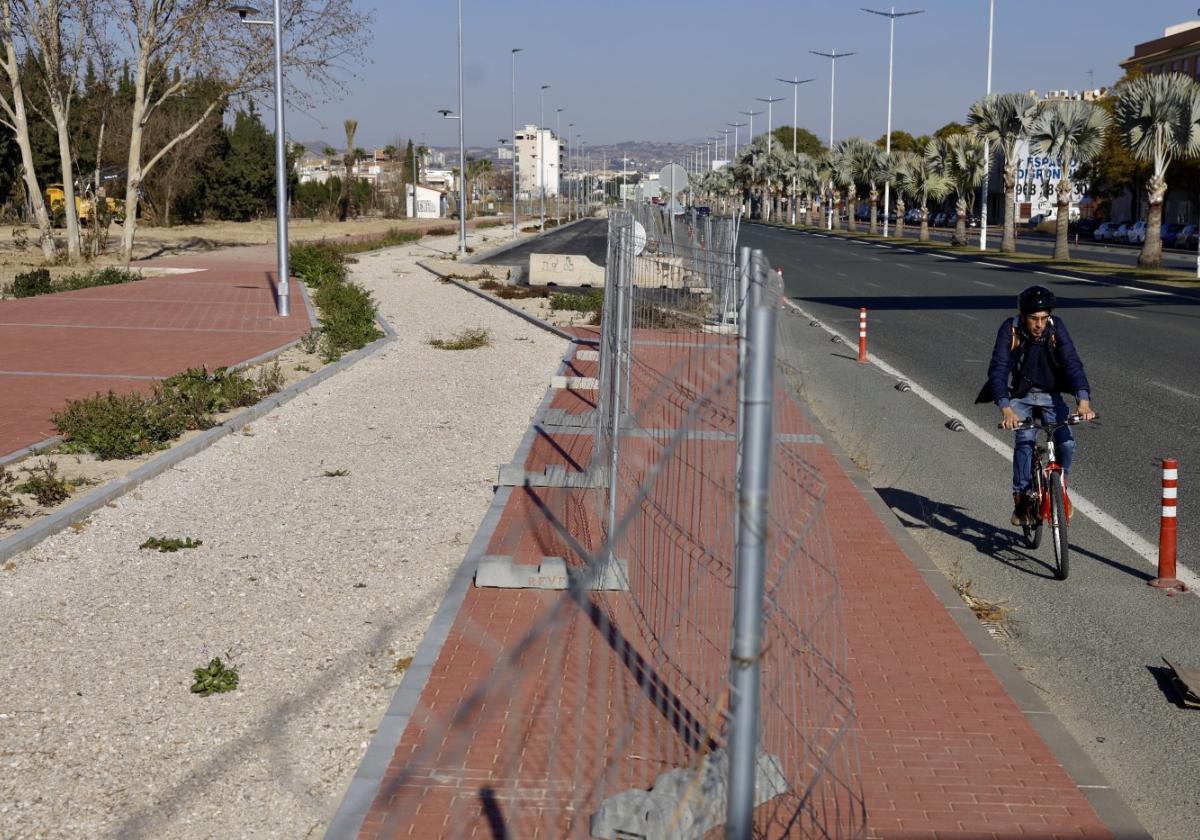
1134	541
940	273
1150	291
965	315
991	265
1121	314
981	283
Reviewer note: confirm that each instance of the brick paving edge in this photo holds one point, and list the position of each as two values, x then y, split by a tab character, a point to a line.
360	793
1108	804
80	508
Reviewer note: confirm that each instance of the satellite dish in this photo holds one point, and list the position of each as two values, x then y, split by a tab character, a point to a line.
673	178
639	239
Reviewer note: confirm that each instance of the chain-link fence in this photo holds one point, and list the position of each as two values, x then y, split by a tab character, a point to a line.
690	674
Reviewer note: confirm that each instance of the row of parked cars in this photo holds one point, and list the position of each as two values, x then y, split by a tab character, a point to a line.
1174	235
913	217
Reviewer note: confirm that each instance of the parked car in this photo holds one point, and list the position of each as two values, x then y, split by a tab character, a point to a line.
862	213
1086	227
1105	232
1169	234
1187	237
938	220
952	218
913	216
1136	235
1122	232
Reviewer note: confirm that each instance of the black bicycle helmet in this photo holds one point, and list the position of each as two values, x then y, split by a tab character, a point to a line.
1036	299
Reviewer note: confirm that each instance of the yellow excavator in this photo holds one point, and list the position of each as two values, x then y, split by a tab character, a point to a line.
56	201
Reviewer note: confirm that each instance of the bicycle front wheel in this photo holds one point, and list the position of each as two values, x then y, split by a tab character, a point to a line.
1058	526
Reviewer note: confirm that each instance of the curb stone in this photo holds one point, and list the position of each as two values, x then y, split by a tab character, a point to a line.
347	821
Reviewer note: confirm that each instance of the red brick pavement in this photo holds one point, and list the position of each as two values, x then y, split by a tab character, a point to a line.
71	345
573	704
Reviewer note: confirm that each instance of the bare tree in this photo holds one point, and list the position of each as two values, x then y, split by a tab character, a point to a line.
57	34
16	119
173	42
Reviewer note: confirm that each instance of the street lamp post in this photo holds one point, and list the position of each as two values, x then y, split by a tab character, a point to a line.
795	83
987	146
770	100
833	57
462	154
751	115
542	154
891	15
558	164
515	50
282	271
735	127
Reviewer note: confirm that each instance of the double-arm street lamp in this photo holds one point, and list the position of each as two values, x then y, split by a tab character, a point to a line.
795	83
542	153
833	57
447	114
751	115
282	272
735	127
892	15
515	50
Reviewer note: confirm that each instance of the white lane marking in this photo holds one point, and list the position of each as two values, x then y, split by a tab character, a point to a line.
1134	541
1151	291
903	265
965	315
944	257
991	265
1178	391
876	259
841	274
876	285
940	273
981	283
1065	277
1121	314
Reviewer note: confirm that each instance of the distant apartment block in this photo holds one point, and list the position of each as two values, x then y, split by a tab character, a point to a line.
1177	51
539	161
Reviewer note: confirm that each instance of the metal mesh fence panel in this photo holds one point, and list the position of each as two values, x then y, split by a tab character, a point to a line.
604	709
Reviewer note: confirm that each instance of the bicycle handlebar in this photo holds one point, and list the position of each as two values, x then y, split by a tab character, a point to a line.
1072	420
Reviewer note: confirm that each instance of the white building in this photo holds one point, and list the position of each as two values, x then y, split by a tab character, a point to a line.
539	161
431	203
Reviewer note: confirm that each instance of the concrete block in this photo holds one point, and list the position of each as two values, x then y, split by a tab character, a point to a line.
564	270
684	804
575	383
587	355
553	573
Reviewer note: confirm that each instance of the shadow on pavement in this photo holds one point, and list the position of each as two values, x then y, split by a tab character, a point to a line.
917	511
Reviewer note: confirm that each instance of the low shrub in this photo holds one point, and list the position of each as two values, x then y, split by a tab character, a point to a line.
442	230
115	426
8	507
347	319
214	678
490	223
471	339
169	545
593	301
317	264
45	485
390	239
31	284
110	276
310	342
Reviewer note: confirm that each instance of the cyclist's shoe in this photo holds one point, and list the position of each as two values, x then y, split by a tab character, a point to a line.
1020	514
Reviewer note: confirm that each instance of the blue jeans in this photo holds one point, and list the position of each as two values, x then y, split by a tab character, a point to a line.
1054	410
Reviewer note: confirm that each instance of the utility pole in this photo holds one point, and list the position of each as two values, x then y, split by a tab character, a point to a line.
515	50
987	146
735	127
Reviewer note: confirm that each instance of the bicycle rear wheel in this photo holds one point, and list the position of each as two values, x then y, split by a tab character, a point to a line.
1058	527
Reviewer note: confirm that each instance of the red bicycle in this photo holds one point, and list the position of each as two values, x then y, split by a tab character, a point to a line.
1049	500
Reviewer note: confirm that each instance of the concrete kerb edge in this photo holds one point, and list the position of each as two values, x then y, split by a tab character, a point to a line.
33	449
1108	804
347	821
80	508
508	307
998	259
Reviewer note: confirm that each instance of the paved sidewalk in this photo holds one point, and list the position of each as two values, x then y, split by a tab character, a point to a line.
952	741
71	345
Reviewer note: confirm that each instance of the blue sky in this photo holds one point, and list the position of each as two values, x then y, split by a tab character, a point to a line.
673	70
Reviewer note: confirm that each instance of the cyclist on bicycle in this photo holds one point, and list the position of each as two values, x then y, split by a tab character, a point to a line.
1033	364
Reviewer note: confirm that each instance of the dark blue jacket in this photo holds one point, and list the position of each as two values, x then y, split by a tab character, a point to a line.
1064	362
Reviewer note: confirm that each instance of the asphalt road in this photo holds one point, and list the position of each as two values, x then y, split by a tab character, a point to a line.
589	237
1092	644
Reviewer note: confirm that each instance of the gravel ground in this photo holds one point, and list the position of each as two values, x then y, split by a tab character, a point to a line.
321	586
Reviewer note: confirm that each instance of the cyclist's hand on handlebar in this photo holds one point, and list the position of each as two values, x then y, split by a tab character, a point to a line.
1009	418
1084	410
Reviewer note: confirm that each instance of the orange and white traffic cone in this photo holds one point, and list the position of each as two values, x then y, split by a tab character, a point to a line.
862	335
1167	530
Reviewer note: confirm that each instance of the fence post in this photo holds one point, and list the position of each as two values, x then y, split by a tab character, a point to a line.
744	682
623	238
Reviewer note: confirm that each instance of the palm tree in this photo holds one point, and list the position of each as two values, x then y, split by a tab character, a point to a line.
1004	119
870	168
922	180
806	181
351	127
960	157
1157	119
900	164
844	173
1071	133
